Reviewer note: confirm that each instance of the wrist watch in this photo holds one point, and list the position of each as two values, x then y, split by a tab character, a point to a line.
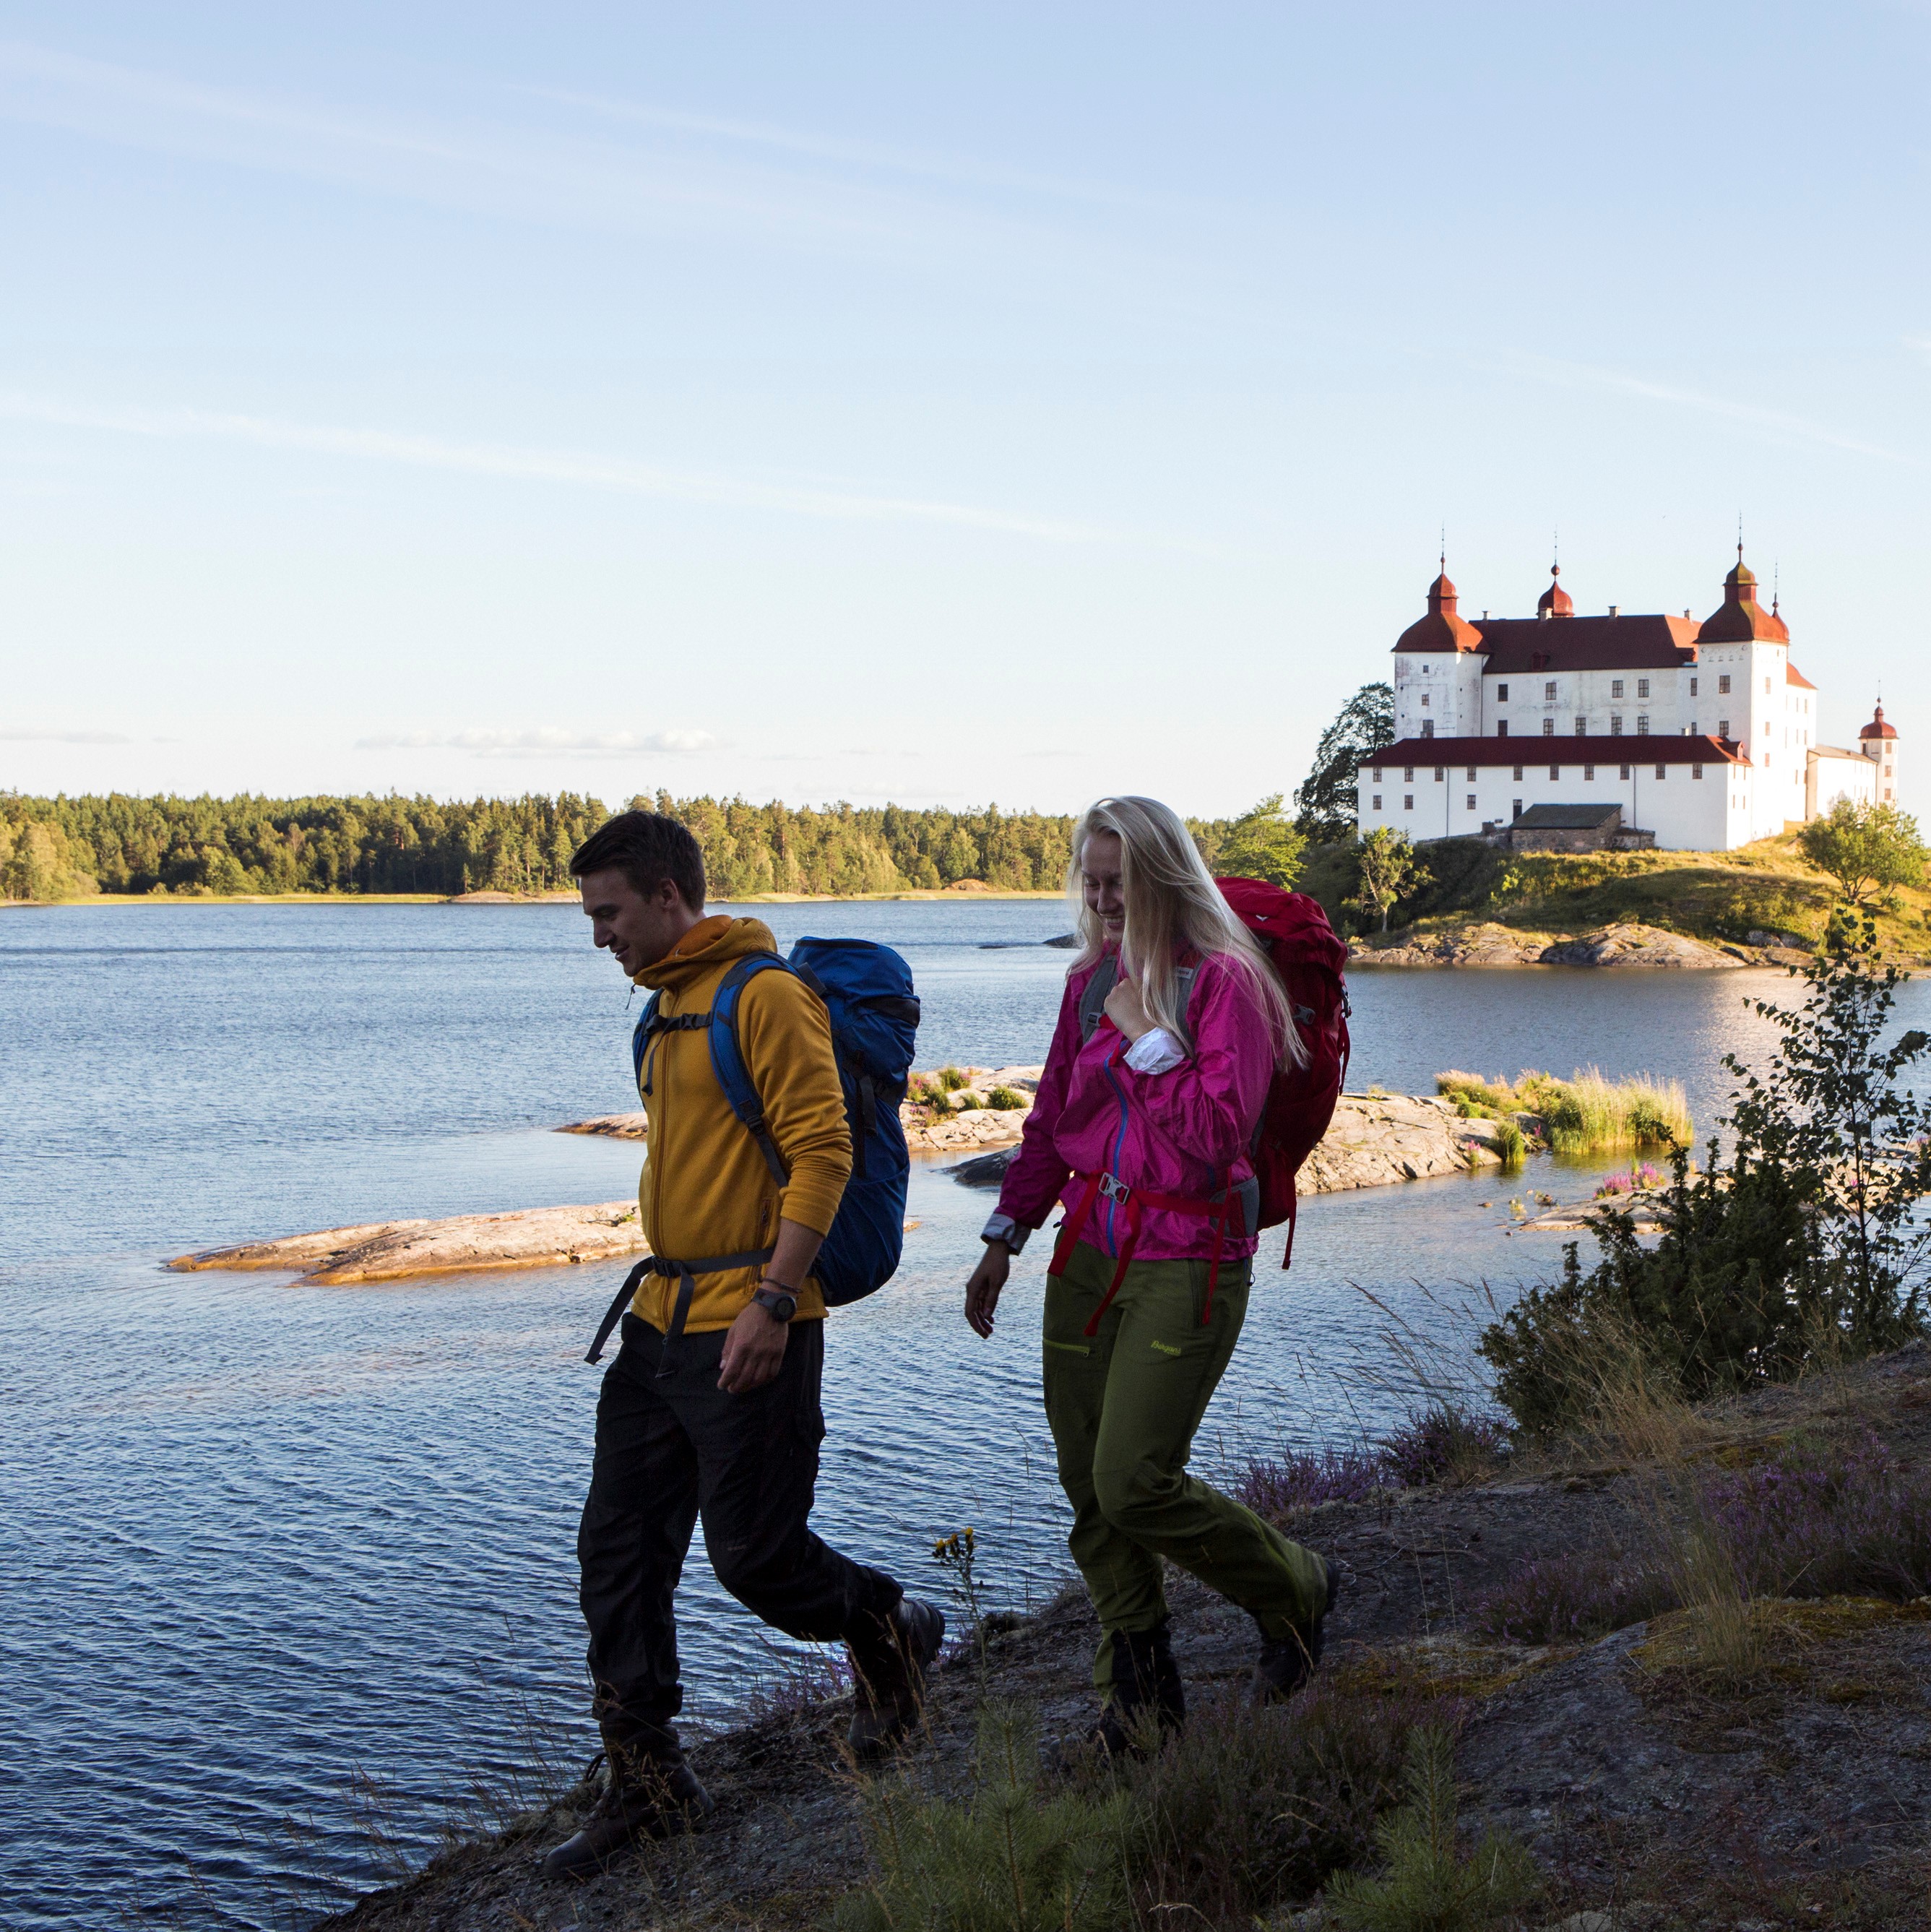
776	1300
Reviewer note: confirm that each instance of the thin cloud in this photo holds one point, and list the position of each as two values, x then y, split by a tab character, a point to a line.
15	736
546	741
1579	375
514	463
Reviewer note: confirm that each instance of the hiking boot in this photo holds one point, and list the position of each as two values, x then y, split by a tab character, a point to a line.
890	1655
648	1798
1146	1690
1286	1663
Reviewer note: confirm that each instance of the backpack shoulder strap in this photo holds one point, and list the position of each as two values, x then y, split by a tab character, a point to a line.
727	1058
1093	1001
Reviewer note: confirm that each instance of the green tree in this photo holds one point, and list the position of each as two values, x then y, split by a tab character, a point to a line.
1866	848
1325	805
1388	868
1262	844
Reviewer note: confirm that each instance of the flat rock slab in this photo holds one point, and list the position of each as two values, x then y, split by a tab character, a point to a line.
1373	1140
387	1250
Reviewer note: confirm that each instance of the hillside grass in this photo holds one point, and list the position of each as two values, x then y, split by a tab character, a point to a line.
1719	896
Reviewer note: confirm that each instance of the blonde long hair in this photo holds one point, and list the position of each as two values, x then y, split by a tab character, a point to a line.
1172	903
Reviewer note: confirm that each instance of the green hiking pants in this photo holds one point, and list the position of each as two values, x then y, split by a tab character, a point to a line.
1123	1405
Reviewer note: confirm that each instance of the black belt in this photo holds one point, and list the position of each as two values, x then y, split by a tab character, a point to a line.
686	1273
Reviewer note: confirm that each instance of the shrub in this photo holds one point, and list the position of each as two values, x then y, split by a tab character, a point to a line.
1511	1143
1428	1885
1825	1521
1009	1858
1249	1807
1005	1097
1301	1478
1438	1441
1575	1598
1805	1247
950	1079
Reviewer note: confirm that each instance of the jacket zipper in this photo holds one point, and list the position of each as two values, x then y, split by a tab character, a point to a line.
1118	1141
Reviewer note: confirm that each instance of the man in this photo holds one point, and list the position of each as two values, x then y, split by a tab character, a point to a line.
711	1408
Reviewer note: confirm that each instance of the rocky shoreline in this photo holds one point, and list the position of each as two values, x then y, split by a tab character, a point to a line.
1374	1141
1621	945
1651	1800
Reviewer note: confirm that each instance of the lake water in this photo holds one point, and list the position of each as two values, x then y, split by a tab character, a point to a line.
260	1541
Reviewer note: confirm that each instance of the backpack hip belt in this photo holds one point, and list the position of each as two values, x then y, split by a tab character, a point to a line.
1229	1205
685	1273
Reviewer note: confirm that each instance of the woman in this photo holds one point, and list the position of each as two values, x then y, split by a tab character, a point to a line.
1145	1112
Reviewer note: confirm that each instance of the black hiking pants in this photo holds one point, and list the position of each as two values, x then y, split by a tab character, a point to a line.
673	1448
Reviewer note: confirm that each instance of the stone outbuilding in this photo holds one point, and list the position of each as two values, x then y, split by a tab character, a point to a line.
1574	828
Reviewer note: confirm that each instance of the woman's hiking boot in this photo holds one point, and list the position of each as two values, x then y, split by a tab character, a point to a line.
890	1655
1147	1700
648	1797
1287	1663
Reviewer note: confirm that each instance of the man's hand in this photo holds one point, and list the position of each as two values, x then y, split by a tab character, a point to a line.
1127	1010
982	1291
754	1351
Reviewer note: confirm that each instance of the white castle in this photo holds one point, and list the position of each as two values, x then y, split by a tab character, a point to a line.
1531	726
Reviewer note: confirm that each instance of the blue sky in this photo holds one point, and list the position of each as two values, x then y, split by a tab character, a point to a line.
941	405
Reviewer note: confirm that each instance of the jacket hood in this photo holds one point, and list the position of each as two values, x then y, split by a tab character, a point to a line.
710	943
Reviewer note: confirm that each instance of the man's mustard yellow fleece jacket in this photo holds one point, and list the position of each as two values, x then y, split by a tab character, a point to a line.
706	1189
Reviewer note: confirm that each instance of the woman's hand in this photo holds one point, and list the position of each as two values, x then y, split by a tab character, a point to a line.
1127	1010
982	1291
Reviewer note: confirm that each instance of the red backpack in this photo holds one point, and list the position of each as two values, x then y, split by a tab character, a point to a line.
1294	933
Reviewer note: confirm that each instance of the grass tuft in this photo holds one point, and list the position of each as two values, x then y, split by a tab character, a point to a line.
1586	1113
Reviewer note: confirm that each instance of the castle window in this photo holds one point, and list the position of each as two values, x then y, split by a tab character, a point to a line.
1471	801
1642	726
1516	804
1519	779
1693	727
1377	774
1548	728
1441	773
1723	728
1408	772
1615	724
1625	771
1471	774
1424	700
1642	687
1377	801
1589	774
1582	728
1723	684
1662	771
1695	771
1427	727
1501	694
1549	689
1407	801
1766	687
1692	687
1555	771
1501	727
1615	687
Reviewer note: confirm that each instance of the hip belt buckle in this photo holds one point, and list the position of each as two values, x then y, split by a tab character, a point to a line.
1113	1189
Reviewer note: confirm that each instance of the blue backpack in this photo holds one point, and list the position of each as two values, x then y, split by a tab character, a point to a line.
867	990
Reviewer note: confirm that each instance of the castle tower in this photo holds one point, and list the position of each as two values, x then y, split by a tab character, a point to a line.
1438	663
1878	741
1744	651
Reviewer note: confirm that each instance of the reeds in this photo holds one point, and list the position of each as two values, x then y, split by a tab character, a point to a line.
1588	1113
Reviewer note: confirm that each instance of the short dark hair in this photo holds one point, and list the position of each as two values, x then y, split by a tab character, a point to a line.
647	848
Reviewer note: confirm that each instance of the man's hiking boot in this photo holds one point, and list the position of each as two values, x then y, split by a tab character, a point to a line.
648	1798
890	1656
1148	1700
1287	1663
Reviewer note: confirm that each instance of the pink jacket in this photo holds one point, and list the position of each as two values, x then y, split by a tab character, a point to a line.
1185	1132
